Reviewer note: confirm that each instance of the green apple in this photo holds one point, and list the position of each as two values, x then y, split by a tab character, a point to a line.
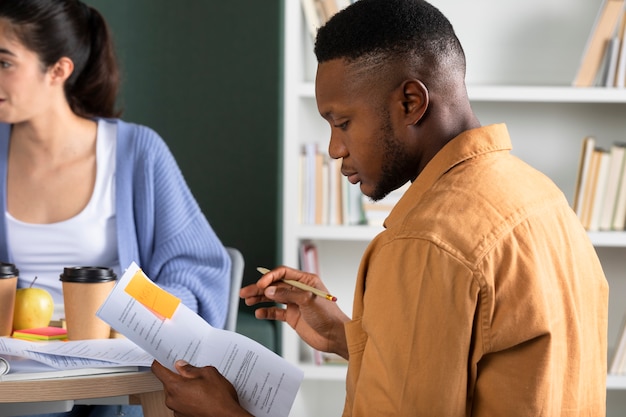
33	308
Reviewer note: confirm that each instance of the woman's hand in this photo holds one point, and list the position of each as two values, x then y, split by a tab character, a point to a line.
198	392
318	321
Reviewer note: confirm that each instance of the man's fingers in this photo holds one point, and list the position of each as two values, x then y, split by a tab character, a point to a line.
287	294
251	290
252	295
271	313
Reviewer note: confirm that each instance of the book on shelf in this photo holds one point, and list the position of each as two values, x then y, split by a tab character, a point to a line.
588	145
317	12
601	74
600	189
600	194
330	7
312	16
316	186
309	261
590	187
321	189
342	4
614	173
307	185
335	179
620	74
603	30
619	212
609	71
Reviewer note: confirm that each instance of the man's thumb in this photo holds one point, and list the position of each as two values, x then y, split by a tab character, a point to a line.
184	368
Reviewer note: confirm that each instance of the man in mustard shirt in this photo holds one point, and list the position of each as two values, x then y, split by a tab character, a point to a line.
484	295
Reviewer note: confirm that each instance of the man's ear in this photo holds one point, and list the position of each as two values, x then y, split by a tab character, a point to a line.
416	100
61	70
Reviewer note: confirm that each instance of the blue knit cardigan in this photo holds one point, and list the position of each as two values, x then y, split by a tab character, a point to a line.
159	223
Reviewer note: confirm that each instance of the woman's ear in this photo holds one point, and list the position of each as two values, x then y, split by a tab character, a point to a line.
416	100
61	70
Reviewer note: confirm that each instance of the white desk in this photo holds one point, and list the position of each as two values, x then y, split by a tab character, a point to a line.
60	394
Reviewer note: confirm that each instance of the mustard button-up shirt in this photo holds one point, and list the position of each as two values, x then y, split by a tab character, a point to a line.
483	296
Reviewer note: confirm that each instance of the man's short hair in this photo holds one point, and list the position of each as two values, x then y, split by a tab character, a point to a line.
401	29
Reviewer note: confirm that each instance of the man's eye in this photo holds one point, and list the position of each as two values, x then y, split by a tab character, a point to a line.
5	64
342	126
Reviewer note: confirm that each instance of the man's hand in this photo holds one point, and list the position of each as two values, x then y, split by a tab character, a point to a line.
198	392
318	321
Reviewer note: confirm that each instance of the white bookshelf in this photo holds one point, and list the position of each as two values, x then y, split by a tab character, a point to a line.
522	58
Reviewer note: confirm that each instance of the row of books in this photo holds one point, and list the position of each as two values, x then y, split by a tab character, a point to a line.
618	361
600	195
603	63
328	198
317	12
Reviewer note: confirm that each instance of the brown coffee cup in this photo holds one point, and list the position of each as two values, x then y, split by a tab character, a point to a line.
84	290
8	285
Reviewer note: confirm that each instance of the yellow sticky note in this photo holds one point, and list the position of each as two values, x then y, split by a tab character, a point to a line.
151	295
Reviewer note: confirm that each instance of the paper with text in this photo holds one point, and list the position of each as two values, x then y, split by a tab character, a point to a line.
266	383
78	354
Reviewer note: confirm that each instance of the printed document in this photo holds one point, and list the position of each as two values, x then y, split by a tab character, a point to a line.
36	360
164	327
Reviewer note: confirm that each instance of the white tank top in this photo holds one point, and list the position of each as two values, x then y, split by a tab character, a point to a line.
87	239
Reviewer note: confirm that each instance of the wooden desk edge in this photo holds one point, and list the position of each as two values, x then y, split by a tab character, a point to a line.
79	387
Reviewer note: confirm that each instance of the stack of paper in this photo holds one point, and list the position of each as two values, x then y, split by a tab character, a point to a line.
38	360
41	333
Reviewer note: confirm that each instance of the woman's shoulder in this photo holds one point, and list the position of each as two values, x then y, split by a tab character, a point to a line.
131	130
135	137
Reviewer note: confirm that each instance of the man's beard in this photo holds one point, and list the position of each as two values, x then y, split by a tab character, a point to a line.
396	162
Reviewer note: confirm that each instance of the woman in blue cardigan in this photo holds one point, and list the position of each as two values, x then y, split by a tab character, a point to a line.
78	185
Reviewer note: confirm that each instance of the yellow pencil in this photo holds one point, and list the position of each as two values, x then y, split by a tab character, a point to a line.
302	286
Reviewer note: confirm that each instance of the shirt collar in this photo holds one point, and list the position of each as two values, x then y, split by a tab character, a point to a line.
467	145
